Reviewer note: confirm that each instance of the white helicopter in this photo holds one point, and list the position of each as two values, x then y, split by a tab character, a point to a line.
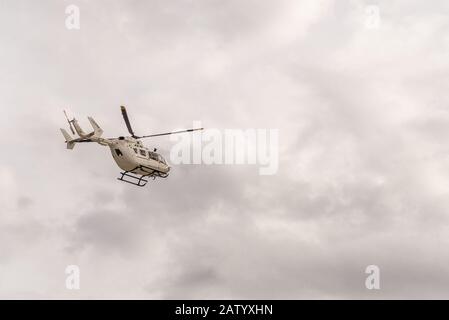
137	161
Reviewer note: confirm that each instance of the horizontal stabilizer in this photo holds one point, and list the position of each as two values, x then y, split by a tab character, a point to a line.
70	145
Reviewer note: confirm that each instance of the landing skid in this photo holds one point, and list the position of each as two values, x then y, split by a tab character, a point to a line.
139	180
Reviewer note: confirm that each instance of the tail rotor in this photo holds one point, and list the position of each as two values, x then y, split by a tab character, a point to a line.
70	123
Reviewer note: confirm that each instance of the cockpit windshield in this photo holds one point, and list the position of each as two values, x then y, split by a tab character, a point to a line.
156	156
152	155
161	159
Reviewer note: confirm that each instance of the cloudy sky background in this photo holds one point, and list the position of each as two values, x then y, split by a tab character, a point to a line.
363	176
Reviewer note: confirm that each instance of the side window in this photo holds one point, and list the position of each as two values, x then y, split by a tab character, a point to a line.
135	150
143	153
118	152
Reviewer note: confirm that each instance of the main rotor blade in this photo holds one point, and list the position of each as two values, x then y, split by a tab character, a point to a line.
168	133
125	117
80	140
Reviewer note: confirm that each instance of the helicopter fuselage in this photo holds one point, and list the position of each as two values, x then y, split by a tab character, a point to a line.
131	155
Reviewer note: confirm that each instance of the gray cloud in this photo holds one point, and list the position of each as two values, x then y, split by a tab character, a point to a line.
363	172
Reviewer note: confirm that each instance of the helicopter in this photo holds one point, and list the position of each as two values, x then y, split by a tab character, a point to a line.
137	161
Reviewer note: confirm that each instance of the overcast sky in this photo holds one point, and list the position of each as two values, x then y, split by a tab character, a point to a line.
363	118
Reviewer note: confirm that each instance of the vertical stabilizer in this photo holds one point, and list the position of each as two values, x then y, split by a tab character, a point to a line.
68	139
97	130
